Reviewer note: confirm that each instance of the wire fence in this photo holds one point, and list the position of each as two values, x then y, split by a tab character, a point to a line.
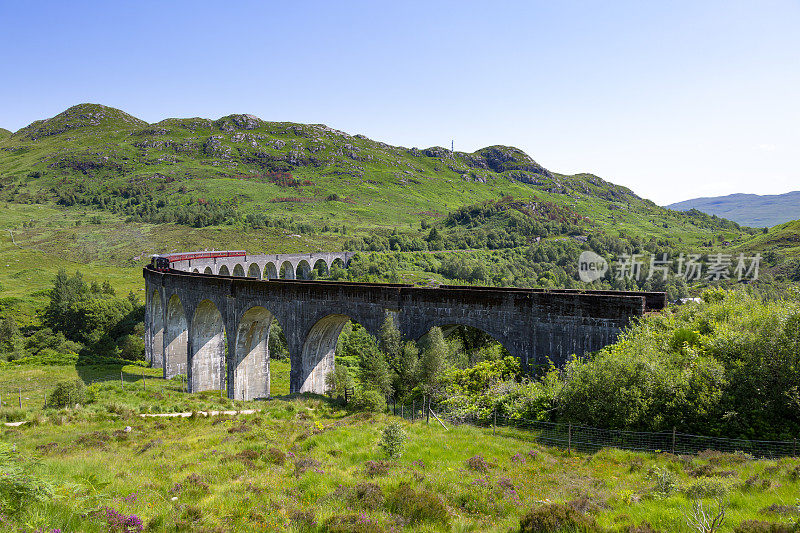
591	439
32	394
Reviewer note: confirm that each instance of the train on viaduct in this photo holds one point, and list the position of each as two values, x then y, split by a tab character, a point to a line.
208	316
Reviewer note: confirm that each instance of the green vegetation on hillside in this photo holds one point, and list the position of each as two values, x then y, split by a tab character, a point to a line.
80	319
727	366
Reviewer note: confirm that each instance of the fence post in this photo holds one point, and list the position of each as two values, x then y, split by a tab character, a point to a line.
494	423
122	381
413	409
673	440
794	448
144	383
569	438
401	411
427	411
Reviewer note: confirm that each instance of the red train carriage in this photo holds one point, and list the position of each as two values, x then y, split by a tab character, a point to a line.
162	263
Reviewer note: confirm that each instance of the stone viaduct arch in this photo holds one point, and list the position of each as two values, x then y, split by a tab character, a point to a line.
226	343
270	271
176	338
268	266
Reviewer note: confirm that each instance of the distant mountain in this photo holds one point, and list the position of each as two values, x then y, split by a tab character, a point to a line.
748	209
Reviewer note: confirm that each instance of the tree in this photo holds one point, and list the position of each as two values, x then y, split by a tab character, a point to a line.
373	371
432	363
338	381
60	312
405	370
390	341
9	333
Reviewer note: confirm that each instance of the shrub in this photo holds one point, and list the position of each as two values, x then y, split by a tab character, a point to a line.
276	456
393	439
781	509
665	481
369	495
131	347
707	488
68	393
117	521
194	484
556	518
758	526
377	468
479	464
305	520
422	506
354	523
301	466
644	527
369	400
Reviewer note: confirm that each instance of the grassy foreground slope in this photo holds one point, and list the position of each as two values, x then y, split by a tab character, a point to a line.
305	464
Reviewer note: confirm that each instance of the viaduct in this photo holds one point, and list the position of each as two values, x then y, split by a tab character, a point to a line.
206	319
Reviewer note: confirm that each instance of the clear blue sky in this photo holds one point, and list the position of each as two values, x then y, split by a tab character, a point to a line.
673	99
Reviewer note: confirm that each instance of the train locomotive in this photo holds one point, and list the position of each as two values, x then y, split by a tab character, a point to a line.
162	263
159	263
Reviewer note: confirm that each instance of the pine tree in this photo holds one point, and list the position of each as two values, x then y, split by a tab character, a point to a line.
373	371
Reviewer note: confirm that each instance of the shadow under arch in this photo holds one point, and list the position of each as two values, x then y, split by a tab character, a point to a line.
251	376
254	271
287	271
336	269
176	339
270	272
303	270
319	351
468	344
223	271
238	271
208	270
156	330
321	268
196	271
208	345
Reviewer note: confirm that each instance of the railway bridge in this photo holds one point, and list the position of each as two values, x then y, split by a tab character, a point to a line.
240	264
215	327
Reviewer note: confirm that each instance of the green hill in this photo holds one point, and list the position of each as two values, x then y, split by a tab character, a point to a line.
203	172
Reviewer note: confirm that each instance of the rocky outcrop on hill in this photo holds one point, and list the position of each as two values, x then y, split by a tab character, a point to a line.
81	116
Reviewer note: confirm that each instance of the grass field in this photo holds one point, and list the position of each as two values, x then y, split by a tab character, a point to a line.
307	464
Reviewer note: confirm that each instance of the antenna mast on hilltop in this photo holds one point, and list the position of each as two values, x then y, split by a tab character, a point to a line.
451	146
